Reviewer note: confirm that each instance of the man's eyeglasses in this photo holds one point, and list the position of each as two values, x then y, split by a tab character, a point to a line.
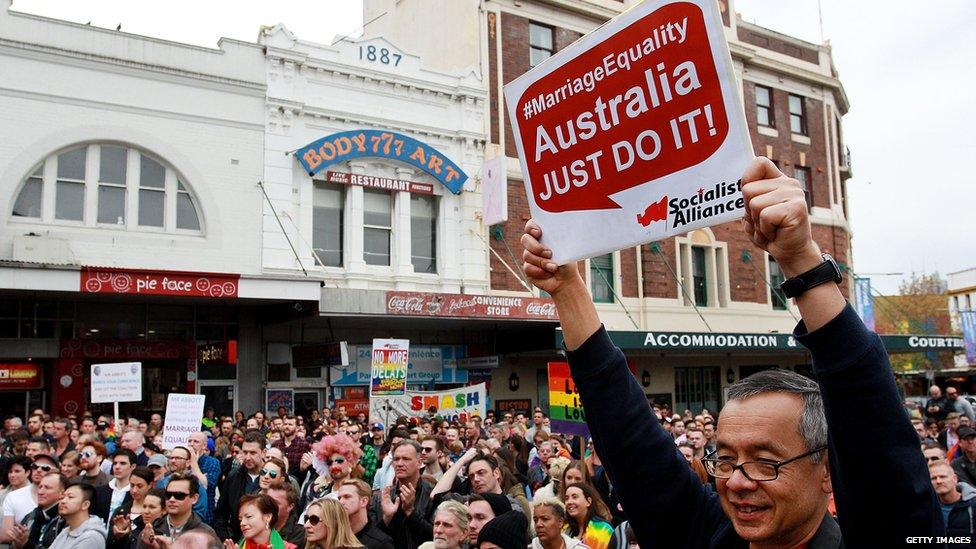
934	458
314	520
338	461
425	450
178	496
87	454
45	468
269	473
756	471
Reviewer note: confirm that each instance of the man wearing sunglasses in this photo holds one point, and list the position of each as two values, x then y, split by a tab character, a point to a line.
771	466
182	493
90	461
19	503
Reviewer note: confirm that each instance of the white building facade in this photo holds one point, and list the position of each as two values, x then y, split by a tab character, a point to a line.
129	213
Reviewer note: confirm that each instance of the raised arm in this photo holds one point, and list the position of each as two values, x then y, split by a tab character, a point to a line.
852	369
666	504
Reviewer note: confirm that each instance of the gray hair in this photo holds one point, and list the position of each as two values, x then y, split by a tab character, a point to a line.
458	510
813	422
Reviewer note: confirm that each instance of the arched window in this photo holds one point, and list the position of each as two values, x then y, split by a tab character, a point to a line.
108	185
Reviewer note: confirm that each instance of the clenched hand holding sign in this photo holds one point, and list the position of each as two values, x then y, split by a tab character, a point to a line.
633	133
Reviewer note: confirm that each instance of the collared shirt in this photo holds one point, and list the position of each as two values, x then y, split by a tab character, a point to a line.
294	451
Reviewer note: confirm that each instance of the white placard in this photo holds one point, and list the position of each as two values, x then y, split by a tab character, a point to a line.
494	191
634	133
184	414
116	382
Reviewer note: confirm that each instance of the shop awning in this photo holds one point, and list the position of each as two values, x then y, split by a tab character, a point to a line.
709	342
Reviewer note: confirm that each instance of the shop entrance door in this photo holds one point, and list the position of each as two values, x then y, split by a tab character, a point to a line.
305	402
220	394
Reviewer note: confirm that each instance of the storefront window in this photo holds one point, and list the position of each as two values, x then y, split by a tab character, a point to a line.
377	226
327	220
423	233
696	389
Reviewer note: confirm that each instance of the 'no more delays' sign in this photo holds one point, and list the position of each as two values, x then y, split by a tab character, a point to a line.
633	133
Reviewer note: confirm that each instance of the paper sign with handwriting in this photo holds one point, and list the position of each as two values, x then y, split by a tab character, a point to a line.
633	133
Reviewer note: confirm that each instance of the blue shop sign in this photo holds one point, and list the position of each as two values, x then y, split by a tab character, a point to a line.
343	146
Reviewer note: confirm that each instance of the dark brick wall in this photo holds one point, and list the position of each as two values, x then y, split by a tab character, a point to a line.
493	75
778	45
515	62
628	272
658	280
785	151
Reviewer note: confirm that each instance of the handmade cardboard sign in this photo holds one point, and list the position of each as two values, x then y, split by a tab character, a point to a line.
633	133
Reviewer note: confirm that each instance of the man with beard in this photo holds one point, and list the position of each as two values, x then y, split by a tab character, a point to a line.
90	462
240	482
293	446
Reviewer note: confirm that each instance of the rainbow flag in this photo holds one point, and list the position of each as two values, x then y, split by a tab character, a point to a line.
565	408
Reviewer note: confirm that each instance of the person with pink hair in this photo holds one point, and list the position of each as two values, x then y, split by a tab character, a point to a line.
334	459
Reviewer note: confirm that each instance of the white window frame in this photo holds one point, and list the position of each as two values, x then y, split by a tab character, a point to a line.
92	183
716	270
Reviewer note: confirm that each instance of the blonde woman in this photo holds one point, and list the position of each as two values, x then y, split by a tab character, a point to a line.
327	526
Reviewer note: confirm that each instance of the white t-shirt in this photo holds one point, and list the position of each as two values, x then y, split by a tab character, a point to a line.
19	503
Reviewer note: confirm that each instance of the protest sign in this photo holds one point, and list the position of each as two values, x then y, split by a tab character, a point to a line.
389	367
183	416
494	191
452	404
116	382
276	398
968	321
633	133
565	407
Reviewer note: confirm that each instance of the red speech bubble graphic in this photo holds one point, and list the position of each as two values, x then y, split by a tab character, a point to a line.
644	103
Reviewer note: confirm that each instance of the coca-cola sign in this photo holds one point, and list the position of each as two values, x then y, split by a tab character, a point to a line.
470	306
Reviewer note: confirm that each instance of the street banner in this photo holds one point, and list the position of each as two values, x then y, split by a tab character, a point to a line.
968	319
633	133
864	302
276	398
116	382
452	404
565	407
183	416
494	191
389	367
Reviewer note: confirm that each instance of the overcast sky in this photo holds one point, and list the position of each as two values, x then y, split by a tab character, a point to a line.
904	65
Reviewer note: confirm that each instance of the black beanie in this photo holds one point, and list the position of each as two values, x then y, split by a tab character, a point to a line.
506	531
498	502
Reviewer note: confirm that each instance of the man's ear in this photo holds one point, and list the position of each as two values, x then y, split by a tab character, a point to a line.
826	484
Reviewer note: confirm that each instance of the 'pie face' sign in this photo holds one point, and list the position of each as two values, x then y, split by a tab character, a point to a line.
636	129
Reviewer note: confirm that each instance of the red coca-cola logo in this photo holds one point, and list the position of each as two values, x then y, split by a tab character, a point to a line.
400	304
541	309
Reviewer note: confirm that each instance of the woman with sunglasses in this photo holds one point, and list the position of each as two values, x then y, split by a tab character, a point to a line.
336	458
257	512
327	526
127	526
272	470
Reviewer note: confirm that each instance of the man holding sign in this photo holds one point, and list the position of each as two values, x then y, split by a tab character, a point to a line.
784	443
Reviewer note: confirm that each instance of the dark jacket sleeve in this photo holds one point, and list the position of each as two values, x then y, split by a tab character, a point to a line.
664	501
852	368
225	506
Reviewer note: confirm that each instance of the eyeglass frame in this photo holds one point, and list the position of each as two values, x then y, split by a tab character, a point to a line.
711	464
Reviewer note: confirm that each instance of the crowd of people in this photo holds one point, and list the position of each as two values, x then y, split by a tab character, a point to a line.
328	480
790	462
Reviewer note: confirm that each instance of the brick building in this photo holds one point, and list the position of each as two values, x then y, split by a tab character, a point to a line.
660	297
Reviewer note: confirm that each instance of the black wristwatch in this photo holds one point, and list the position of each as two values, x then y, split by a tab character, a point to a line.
828	271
